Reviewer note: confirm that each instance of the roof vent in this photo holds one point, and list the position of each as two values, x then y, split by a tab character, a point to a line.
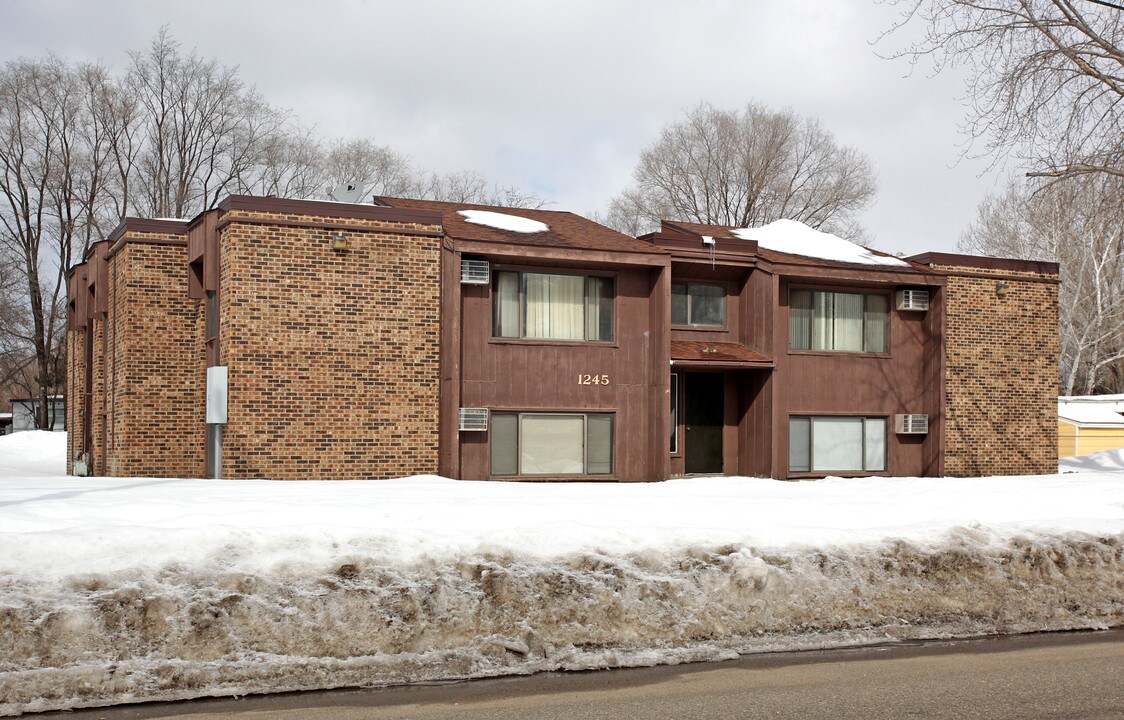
913	300
911	424
473	419
475	272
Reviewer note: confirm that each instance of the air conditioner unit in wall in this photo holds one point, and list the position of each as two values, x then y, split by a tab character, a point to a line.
474	419
911	424
475	272
913	300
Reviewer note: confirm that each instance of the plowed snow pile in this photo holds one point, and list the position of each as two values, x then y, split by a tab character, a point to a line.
118	590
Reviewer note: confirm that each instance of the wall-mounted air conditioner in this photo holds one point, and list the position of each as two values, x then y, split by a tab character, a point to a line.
913	299
474	419
475	272
911	424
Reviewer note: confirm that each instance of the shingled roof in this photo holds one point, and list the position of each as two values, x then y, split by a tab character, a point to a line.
565	230
721	232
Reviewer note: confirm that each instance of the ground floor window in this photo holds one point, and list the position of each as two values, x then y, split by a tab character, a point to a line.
836	444
551	443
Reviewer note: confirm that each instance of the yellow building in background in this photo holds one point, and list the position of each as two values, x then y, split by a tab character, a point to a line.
1089	424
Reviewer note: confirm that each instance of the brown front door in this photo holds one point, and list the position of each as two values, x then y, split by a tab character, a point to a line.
704	401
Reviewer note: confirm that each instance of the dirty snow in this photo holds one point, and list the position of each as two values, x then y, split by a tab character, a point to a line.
131	589
503	221
796	238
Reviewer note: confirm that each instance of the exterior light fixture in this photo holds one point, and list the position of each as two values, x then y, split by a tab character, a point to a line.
1001	288
339	242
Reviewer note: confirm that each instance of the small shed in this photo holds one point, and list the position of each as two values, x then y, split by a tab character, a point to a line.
24	411
1089	424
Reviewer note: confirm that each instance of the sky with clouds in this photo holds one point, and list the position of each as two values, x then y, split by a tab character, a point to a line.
561	97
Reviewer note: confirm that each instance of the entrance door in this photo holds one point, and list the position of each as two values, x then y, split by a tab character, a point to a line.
705	410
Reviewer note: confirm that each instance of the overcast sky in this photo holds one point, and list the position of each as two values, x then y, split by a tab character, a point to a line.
561	97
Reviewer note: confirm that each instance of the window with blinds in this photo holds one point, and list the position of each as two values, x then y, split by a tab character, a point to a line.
553	307
836	444
533	443
839	321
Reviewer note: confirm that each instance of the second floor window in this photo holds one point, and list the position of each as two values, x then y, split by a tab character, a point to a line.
840	321
698	304
553	307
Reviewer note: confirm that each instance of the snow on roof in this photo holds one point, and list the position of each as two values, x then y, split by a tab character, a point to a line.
796	238
1091	398
172	219
1089	415
1092	409
503	221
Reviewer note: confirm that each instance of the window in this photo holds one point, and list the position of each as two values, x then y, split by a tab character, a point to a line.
552	444
698	304
674	413
836	444
842	321
553	307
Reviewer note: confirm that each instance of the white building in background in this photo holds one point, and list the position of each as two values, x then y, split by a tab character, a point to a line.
24	411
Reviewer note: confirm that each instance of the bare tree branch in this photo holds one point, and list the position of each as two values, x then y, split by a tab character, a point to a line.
1046	78
745	168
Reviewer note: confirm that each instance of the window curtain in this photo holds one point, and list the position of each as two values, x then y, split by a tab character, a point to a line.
555	306
599	444
552	444
507	305
837	444
800	315
848	322
876	315
875	444
799	444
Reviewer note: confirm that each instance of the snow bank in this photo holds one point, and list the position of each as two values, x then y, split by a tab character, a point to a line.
503	221
120	590
1106	461
796	238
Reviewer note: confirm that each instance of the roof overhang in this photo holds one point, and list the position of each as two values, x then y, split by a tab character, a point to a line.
693	354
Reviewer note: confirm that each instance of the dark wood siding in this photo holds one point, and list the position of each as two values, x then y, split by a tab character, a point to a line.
905	380
537	375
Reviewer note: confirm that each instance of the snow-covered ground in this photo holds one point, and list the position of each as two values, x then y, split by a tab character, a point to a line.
128	589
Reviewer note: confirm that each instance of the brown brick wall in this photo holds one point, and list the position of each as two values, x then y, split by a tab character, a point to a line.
97	408
332	356
1001	375
75	393
154	350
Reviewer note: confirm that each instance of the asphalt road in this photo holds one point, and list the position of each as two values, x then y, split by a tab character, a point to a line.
1071	675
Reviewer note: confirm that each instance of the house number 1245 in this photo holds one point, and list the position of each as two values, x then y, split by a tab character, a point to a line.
593	379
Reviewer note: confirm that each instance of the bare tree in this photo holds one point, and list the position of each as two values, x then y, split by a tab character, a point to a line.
379	169
51	156
472	188
200	130
745	168
1046	79
290	164
1079	224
